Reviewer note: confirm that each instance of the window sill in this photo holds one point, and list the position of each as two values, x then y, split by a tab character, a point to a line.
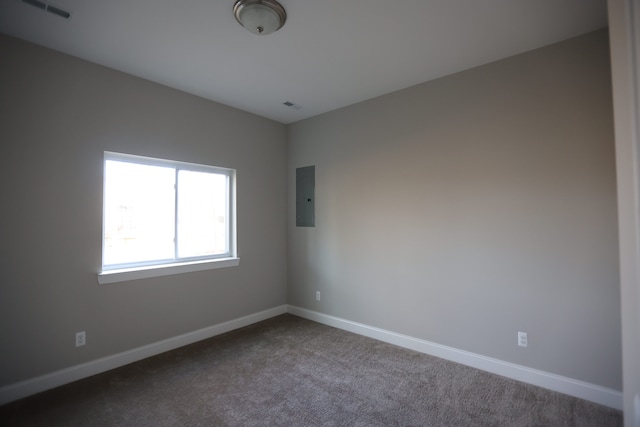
114	276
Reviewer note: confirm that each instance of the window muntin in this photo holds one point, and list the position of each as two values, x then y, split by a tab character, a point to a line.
162	212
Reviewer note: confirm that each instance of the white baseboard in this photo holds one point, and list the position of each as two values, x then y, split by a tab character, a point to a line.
55	379
583	390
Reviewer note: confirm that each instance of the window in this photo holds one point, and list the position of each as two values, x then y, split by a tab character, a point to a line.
159	214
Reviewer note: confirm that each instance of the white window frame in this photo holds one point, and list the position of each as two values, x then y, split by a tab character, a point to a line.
133	271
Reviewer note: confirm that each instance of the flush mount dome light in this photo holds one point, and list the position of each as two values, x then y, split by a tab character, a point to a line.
261	17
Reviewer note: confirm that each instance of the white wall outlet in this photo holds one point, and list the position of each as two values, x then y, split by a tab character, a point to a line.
81	338
317	295
523	341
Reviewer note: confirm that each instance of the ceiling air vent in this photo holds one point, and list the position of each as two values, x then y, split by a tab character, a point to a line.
291	105
49	8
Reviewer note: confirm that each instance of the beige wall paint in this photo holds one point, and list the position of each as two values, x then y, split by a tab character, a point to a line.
469	208
58	115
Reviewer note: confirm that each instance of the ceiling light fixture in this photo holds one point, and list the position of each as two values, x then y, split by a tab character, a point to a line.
261	17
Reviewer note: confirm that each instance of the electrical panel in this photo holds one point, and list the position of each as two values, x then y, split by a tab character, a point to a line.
305	196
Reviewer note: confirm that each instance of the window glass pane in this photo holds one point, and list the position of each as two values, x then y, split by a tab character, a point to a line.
139	213
202	214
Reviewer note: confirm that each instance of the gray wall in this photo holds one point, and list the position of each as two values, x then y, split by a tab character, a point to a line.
459	211
57	117
469	208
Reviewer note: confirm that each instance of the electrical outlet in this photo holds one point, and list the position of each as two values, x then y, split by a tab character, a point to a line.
317	295
81	338
523	341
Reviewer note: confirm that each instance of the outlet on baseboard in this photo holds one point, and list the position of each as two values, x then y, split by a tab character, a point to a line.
317	295
523	341
81	338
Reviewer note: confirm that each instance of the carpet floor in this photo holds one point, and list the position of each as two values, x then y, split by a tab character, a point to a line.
288	371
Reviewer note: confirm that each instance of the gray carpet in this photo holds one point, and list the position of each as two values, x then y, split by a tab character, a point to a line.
289	371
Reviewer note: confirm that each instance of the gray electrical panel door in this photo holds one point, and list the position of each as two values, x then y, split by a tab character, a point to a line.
305	196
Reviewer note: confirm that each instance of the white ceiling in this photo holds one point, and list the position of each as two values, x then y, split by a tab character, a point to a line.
329	54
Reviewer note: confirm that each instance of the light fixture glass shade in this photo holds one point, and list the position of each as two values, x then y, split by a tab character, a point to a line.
261	17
